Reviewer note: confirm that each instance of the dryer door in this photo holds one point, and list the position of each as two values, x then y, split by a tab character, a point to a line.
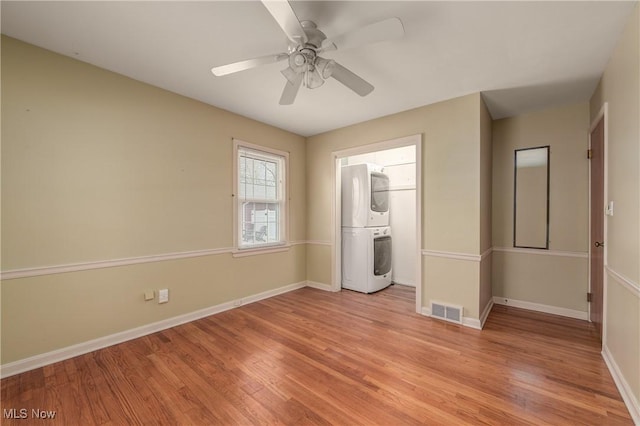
381	255
379	192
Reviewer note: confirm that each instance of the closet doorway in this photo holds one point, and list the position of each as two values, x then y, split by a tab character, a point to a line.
401	159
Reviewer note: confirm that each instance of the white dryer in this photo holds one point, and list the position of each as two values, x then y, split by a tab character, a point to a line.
365	196
366	258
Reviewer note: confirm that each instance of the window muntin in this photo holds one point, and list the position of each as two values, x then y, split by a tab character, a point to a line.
260	213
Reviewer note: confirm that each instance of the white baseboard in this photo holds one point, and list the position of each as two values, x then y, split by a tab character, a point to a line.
57	355
472	323
548	309
623	386
466	321
319	286
408	283
485	313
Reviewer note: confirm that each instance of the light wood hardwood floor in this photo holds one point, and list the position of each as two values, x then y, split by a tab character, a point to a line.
313	357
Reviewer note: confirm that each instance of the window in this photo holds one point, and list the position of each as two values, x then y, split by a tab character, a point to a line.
260	196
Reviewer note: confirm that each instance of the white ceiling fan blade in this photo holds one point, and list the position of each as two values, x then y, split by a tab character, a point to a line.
352	81
387	29
249	63
285	17
290	74
291	90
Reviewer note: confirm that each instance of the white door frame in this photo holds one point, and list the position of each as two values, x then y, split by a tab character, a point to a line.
336	207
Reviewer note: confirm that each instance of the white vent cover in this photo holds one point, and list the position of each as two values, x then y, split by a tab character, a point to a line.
451	313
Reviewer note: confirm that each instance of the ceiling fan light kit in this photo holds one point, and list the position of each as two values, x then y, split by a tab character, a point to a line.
325	67
307	42
313	80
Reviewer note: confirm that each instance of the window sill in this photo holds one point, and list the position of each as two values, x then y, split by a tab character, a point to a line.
252	251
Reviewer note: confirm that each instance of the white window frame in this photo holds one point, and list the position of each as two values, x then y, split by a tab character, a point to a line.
283	200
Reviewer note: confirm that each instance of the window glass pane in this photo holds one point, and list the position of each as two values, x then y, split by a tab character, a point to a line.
242	173
271	180
260	180
260	222
248	178
273	219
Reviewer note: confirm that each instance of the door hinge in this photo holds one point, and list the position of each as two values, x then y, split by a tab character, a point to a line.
589	297
589	153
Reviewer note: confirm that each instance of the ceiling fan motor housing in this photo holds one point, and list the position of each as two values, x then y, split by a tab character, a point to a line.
305	57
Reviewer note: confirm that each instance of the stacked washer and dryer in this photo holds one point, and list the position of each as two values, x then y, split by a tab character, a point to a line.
366	235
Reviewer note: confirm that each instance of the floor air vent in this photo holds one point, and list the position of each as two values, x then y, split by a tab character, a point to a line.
449	313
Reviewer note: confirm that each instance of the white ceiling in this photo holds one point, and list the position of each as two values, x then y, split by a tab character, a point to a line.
522	55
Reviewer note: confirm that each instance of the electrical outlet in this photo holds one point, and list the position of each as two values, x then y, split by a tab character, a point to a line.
163	295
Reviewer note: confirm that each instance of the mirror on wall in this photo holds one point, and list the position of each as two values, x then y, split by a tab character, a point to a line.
531	198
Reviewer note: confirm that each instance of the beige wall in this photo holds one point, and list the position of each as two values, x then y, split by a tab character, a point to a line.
620	87
452	281
552	280
319	263
451	193
531	207
486	189
95	167
486	171
103	167
44	313
565	129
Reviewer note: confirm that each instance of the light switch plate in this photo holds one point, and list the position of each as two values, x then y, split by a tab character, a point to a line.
163	295
609	209
149	295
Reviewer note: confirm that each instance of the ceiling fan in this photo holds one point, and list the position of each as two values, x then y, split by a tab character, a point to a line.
307	42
